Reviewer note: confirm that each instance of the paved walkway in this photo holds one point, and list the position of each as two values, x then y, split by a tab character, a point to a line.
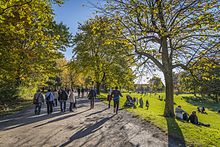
98	127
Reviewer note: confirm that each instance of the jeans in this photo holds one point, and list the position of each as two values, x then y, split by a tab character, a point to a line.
49	107
92	101
55	102
74	105
71	106
109	103
116	105
63	105
37	108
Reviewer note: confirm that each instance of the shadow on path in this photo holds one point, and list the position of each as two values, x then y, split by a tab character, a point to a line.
97	112
60	118
26	116
87	131
25	120
174	134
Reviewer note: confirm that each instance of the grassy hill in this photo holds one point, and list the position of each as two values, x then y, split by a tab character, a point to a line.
191	134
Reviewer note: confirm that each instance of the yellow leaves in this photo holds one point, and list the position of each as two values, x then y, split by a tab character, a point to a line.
206	78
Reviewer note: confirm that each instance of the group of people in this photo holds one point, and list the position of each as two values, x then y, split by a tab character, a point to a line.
133	102
81	91
130	102
183	115
51	98
115	95
202	110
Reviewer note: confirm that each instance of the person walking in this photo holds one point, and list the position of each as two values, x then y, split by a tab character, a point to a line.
109	99
55	93
72	100
78	90
49	100
91	97
63	99
38	101
82	91
116	97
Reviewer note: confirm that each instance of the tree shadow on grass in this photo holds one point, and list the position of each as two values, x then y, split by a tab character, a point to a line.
87	130
211	105
175	135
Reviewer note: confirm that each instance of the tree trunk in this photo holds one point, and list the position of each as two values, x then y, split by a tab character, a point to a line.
168	76
98	87
169	110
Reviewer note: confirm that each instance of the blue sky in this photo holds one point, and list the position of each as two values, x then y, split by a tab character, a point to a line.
71	13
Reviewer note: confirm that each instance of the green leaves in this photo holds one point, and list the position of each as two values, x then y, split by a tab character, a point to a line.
30	42
100	51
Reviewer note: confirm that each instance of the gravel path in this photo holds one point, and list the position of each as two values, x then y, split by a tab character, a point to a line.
98	127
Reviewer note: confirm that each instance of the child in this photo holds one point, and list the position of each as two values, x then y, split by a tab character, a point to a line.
109	98
147	104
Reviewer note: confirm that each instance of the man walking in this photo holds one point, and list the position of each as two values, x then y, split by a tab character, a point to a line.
63	99
38	101
91	96
116	96
49	100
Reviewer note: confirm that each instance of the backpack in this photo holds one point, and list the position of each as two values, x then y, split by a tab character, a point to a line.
64	95
48	98
35	100
92	94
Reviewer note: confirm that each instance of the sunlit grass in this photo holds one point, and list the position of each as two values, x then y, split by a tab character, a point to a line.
16	106
197	135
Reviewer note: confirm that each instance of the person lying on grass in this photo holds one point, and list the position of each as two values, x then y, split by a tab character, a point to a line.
202	110
180	113
194	120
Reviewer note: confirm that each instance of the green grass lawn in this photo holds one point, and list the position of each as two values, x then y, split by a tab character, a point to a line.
192	134
15	107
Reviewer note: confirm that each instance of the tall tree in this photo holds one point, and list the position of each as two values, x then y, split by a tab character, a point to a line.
96	52
169	33
156	84
30	44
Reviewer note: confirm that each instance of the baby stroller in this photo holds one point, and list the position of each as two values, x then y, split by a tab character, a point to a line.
129	102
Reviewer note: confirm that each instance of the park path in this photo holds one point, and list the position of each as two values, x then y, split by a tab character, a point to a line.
98	127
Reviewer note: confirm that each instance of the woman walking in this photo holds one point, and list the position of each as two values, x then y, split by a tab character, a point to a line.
72	100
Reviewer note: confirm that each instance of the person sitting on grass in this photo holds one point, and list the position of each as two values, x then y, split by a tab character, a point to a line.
180	113
160	98
218	111
136	99
201	110
147	104
194	120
